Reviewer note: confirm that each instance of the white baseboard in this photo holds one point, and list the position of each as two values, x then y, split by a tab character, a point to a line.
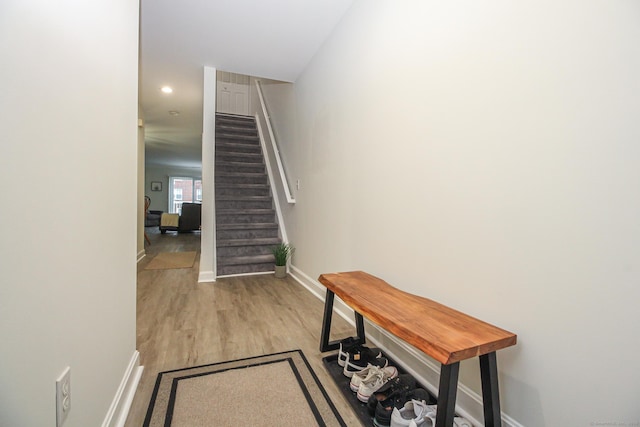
419	365
140	255
206	276
119	409
312	286
259	273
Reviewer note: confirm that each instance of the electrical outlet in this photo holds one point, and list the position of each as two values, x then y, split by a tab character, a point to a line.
297	184
63	396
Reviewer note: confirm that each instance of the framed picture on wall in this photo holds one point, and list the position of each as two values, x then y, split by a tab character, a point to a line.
156	186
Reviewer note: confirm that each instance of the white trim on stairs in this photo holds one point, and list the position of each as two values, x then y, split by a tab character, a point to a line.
423	368
119	409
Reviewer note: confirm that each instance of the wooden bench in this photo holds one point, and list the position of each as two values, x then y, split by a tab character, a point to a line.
443	333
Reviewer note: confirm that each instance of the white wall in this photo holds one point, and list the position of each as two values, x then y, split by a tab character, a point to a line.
68	114
485	155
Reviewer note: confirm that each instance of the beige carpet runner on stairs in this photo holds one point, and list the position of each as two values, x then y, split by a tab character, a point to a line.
274	390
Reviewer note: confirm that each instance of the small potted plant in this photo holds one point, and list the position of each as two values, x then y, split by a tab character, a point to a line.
282	252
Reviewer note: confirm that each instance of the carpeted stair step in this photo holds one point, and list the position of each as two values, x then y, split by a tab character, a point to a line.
241	178
242	152
253	259
237	128
237	138
246	264
246	247
237	147
242	189
226	137
269	241
234	216
247	231
244	202
226	166
235	120
233	132
234	156
228	270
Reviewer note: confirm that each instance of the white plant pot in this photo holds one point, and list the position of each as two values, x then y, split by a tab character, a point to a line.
281	271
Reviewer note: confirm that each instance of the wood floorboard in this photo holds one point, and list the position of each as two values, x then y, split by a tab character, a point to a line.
183	323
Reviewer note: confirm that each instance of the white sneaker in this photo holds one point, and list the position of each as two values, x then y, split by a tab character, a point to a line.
415	413
364	374
429	420
461	422
376	378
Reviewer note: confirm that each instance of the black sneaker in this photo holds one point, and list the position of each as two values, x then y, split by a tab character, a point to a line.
351	347
346	345
401	383
358	358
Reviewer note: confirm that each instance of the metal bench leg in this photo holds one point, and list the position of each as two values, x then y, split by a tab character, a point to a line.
360	327
490	392
325	345
447	394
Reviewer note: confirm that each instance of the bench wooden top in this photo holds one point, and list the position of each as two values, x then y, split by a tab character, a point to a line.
441	332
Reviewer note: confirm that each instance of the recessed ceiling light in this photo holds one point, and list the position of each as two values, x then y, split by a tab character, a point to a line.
174	113
166	89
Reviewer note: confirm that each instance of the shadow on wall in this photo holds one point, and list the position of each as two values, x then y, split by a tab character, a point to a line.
523	400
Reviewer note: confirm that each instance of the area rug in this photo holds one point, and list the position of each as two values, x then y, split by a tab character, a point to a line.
168	260
278	389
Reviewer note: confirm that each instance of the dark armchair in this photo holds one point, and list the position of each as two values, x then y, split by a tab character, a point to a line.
190	219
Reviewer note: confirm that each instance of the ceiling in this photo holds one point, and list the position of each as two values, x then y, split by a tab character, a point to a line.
273	39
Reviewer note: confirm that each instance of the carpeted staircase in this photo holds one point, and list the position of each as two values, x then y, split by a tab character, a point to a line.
246	227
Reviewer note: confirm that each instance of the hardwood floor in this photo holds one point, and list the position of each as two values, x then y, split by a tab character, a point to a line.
182	323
